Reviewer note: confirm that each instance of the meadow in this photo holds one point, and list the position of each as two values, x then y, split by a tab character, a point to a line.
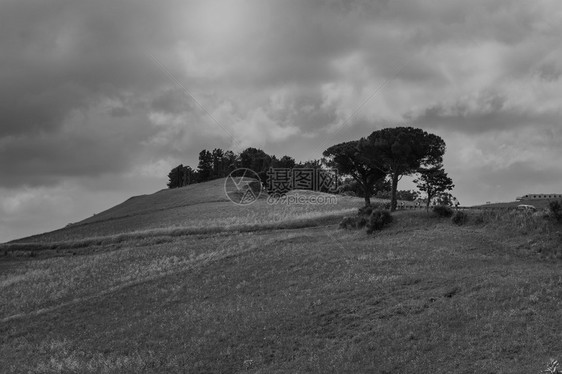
206	286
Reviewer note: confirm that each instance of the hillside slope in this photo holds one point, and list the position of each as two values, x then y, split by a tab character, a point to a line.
422	296
138	213
208	192
201	205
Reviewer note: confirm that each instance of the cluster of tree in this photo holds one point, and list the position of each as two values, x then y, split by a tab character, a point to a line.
219	164
388	155
375	165
212	165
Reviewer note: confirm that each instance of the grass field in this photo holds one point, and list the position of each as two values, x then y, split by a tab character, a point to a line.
281	290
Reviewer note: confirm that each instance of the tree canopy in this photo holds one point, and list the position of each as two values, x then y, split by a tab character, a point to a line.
181	176
400	151
346	158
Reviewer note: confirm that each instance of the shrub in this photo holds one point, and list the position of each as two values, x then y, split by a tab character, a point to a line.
365	211
368	209
352	223
360	222
459	218
347	222
556	209
443	211
378	219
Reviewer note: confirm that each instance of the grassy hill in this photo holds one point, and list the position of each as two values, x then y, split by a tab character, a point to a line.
195	208
280	289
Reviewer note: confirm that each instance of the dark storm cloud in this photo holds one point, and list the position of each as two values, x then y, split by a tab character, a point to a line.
58	56
49	158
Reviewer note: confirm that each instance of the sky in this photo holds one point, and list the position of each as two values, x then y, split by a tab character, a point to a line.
100	99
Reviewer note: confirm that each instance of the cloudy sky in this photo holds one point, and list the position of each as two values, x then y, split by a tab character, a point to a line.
100	99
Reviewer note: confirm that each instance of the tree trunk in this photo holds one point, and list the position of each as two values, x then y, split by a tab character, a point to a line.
394	189
366	191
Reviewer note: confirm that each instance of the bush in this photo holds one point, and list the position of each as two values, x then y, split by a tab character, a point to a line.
348	223
368	209
378	219
443	211
353	223
459	218
556	209
365	211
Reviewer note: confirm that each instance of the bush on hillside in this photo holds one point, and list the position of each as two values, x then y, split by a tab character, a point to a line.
371	216
368	209
443	211
556	209
353	223
365	211
459	218
378	219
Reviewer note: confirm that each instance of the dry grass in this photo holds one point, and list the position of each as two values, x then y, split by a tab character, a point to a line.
181	212
423	295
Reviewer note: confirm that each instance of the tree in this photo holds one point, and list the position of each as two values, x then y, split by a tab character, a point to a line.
434	181
174	177
445	198
205	167
286	162
218	163
255	159
400	151
346	159
229	161
181	176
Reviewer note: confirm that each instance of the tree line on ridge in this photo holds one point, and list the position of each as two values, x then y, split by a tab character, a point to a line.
367	167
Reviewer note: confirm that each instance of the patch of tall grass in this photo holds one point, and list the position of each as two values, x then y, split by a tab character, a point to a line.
522	222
